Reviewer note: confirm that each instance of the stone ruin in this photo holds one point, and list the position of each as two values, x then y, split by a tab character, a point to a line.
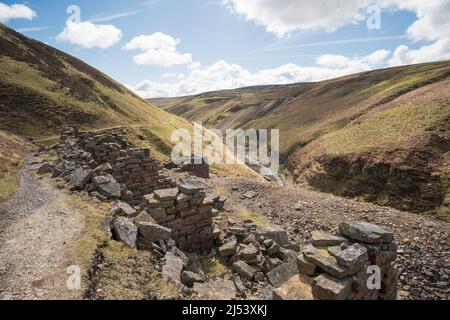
147	201
176	220
338	267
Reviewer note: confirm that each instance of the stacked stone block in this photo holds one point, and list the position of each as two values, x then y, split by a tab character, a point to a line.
140	172
187	212
106	147
340	266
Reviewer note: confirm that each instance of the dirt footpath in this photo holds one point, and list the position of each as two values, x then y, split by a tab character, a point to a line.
36	228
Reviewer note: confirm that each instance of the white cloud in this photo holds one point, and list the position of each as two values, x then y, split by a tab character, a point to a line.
15	11
292	15
89	35
433	21
158	49
222	75
438	51
168	75
432	24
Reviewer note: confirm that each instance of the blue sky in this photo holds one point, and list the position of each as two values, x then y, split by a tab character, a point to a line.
188	47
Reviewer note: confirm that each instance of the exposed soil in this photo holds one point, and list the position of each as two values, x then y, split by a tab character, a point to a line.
36	228
410	177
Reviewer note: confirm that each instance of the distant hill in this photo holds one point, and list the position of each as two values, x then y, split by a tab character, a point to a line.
380	136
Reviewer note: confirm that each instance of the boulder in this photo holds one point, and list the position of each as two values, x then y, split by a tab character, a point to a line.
322	259
166	194
250	194
324	239
124	230
354	258
244	270
189	189
188	278
271	263
281	274
151	232
326	287
277	234
45	168
144	217
107	186
103	169
126	209
306	267
80	178
366	232
228	249
249	252
172	268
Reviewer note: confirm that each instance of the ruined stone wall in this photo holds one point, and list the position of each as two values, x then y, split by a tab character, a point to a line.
339	266
187	212
140	172
132	167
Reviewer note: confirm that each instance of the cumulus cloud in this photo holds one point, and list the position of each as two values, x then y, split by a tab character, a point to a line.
438	51
89	35
158	49
432	22
222	75
294	15
15	11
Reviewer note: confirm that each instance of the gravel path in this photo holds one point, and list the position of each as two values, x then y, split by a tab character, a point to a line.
423	242
35	230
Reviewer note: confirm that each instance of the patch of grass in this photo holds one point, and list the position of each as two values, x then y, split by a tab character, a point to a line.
94	234
9	180
128	274
385	128
12	151
213	267
222	191
257	219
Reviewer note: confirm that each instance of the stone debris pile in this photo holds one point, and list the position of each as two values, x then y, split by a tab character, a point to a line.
357	264
107	165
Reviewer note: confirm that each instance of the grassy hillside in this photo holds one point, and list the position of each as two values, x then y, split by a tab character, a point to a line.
380	136
42	88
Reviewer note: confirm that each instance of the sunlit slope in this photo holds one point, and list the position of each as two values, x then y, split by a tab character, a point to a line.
42	88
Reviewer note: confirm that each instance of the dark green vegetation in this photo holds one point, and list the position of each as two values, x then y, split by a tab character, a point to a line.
380	136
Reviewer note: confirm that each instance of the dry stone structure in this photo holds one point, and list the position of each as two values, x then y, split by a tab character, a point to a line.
188	212
106	165
357	264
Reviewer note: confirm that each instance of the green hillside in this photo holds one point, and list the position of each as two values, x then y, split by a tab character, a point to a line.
42	89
